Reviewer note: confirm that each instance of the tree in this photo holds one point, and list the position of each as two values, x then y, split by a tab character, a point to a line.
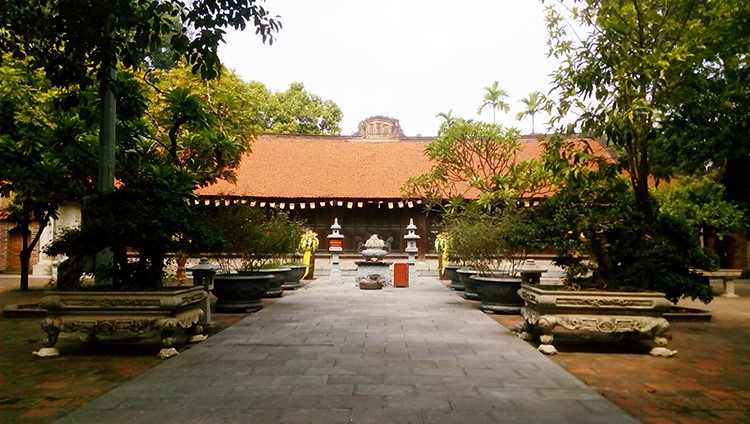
83	48
625	74
38	167
702	203
709	129
476	160
536	102
240	108
295	111
494	97
448	120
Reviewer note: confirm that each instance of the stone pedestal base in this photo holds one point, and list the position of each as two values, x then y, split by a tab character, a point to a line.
114	315
543	324
622	313
367	268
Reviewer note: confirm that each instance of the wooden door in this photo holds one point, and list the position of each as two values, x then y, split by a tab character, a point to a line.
16	245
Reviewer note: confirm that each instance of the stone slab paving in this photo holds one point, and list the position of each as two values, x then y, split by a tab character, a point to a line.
332	353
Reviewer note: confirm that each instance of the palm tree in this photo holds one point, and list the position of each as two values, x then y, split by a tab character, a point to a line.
536	102
494	97
448	120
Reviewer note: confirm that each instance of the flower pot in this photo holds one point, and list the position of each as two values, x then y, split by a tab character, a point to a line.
280	276
499	294
450	272
101	315
470	289
626	313
240	292
293	277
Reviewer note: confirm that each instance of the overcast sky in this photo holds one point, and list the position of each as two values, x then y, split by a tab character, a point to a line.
405	59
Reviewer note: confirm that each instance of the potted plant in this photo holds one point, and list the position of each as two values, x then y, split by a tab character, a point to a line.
253	244
139	223
592	224
493	244
477	169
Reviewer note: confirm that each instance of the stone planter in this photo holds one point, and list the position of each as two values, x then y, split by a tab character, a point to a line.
280	276
470	289
293	277
240	293
624	313
451	273
112	315
499	294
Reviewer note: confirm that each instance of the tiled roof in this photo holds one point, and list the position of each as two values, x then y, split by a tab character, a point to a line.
332	167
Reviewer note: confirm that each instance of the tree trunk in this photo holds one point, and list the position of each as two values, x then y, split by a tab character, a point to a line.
25	256
28	244
106	174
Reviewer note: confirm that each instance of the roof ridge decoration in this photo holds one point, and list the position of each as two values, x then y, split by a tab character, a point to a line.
379	128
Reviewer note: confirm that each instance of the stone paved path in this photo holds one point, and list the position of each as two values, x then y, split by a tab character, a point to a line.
331	353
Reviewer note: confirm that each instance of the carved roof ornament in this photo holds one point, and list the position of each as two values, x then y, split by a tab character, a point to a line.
379	128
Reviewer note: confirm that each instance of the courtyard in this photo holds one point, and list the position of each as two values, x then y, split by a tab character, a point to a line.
371	373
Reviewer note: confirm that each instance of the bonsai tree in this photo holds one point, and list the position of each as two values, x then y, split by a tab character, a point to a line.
636	74
595	227
251	238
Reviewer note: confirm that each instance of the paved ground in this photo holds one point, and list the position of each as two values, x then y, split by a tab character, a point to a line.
421	354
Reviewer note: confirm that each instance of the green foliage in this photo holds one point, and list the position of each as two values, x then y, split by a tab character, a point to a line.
632	74
251	237
295	111
710	125
701	203
494	97
492	242
237	107
627	73
448	121
146	219
536	102
78	47
594	226
476	160
37	167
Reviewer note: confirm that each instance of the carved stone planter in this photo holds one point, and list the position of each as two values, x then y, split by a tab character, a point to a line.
499	294
100	315
240	293
451	272
626	313
470	289
293	277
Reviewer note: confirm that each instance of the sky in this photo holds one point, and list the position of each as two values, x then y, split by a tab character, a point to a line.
404	59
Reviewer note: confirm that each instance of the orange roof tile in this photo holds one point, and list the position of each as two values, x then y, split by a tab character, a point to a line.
332	167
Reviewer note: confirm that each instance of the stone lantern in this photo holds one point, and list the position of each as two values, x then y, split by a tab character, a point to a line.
531	273
411	248
335	246
203	275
